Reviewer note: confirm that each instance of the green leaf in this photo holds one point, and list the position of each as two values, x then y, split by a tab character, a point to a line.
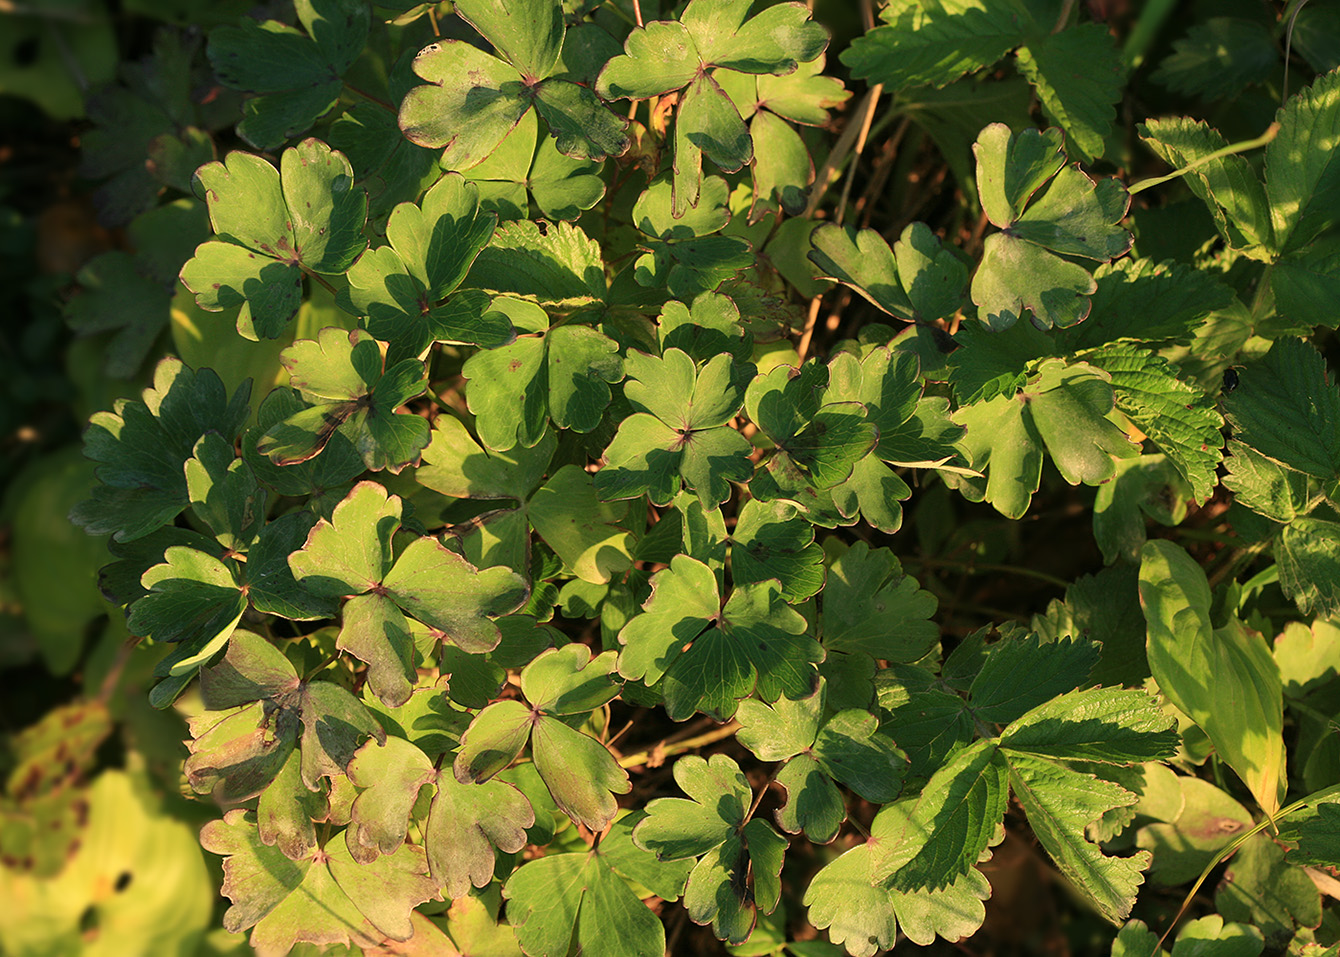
1180	419
224	492
772	540
933	46
954	820
528	32
307	214
1302	175
657	59
1283	406
471	101
401	288
1265	889
338	463
342	373
193	601
1227	185
559	900
141	449
1218	55
718	799
554	264
297	73
583	127
930	722
871	607
1308	565
1223	679
326	898
1063	408
582	530
1020	674
271	587
1144	487
1021	270
563	374
1106	725
1061	803
1078	75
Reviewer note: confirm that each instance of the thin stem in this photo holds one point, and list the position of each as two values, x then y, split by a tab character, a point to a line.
1066	7
320	280
1146	31
972	567
369	97
665	750
758	798
808	333
1271	132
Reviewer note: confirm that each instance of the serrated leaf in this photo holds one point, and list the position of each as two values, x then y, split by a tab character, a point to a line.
1020	674
1181	420
142	447
1302	176
1078	74
1219	55
1109	725
1284	406
1308	565
296	73
1060	804
1227	184
933	46
554	264
1223	679
954	820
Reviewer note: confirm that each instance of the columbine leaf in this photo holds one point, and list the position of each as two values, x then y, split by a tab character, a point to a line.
194	601
563	374
1283	408
1223	679
306	214
326	898
1065	408
871	607
561	898
342	374
1021	270
772	540
297	73
224	492
142	447
403	288
529	33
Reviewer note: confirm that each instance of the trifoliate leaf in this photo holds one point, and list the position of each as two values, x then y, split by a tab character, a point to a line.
1061	803
933	46
143	446
1078	75
296	72
1224	679
562	187
709	657
401	288
953	821
705	329
582	530
343	374
563	374
1022	269
871	607
325	898
350	556
578	770
338	463
559	899
1301	175
772	540
1064	408
681	434
1283	407
307	214
1227	184
1020	674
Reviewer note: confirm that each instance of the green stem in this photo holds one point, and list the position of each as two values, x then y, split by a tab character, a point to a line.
1271	132
1312	799
973	568
1152	19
